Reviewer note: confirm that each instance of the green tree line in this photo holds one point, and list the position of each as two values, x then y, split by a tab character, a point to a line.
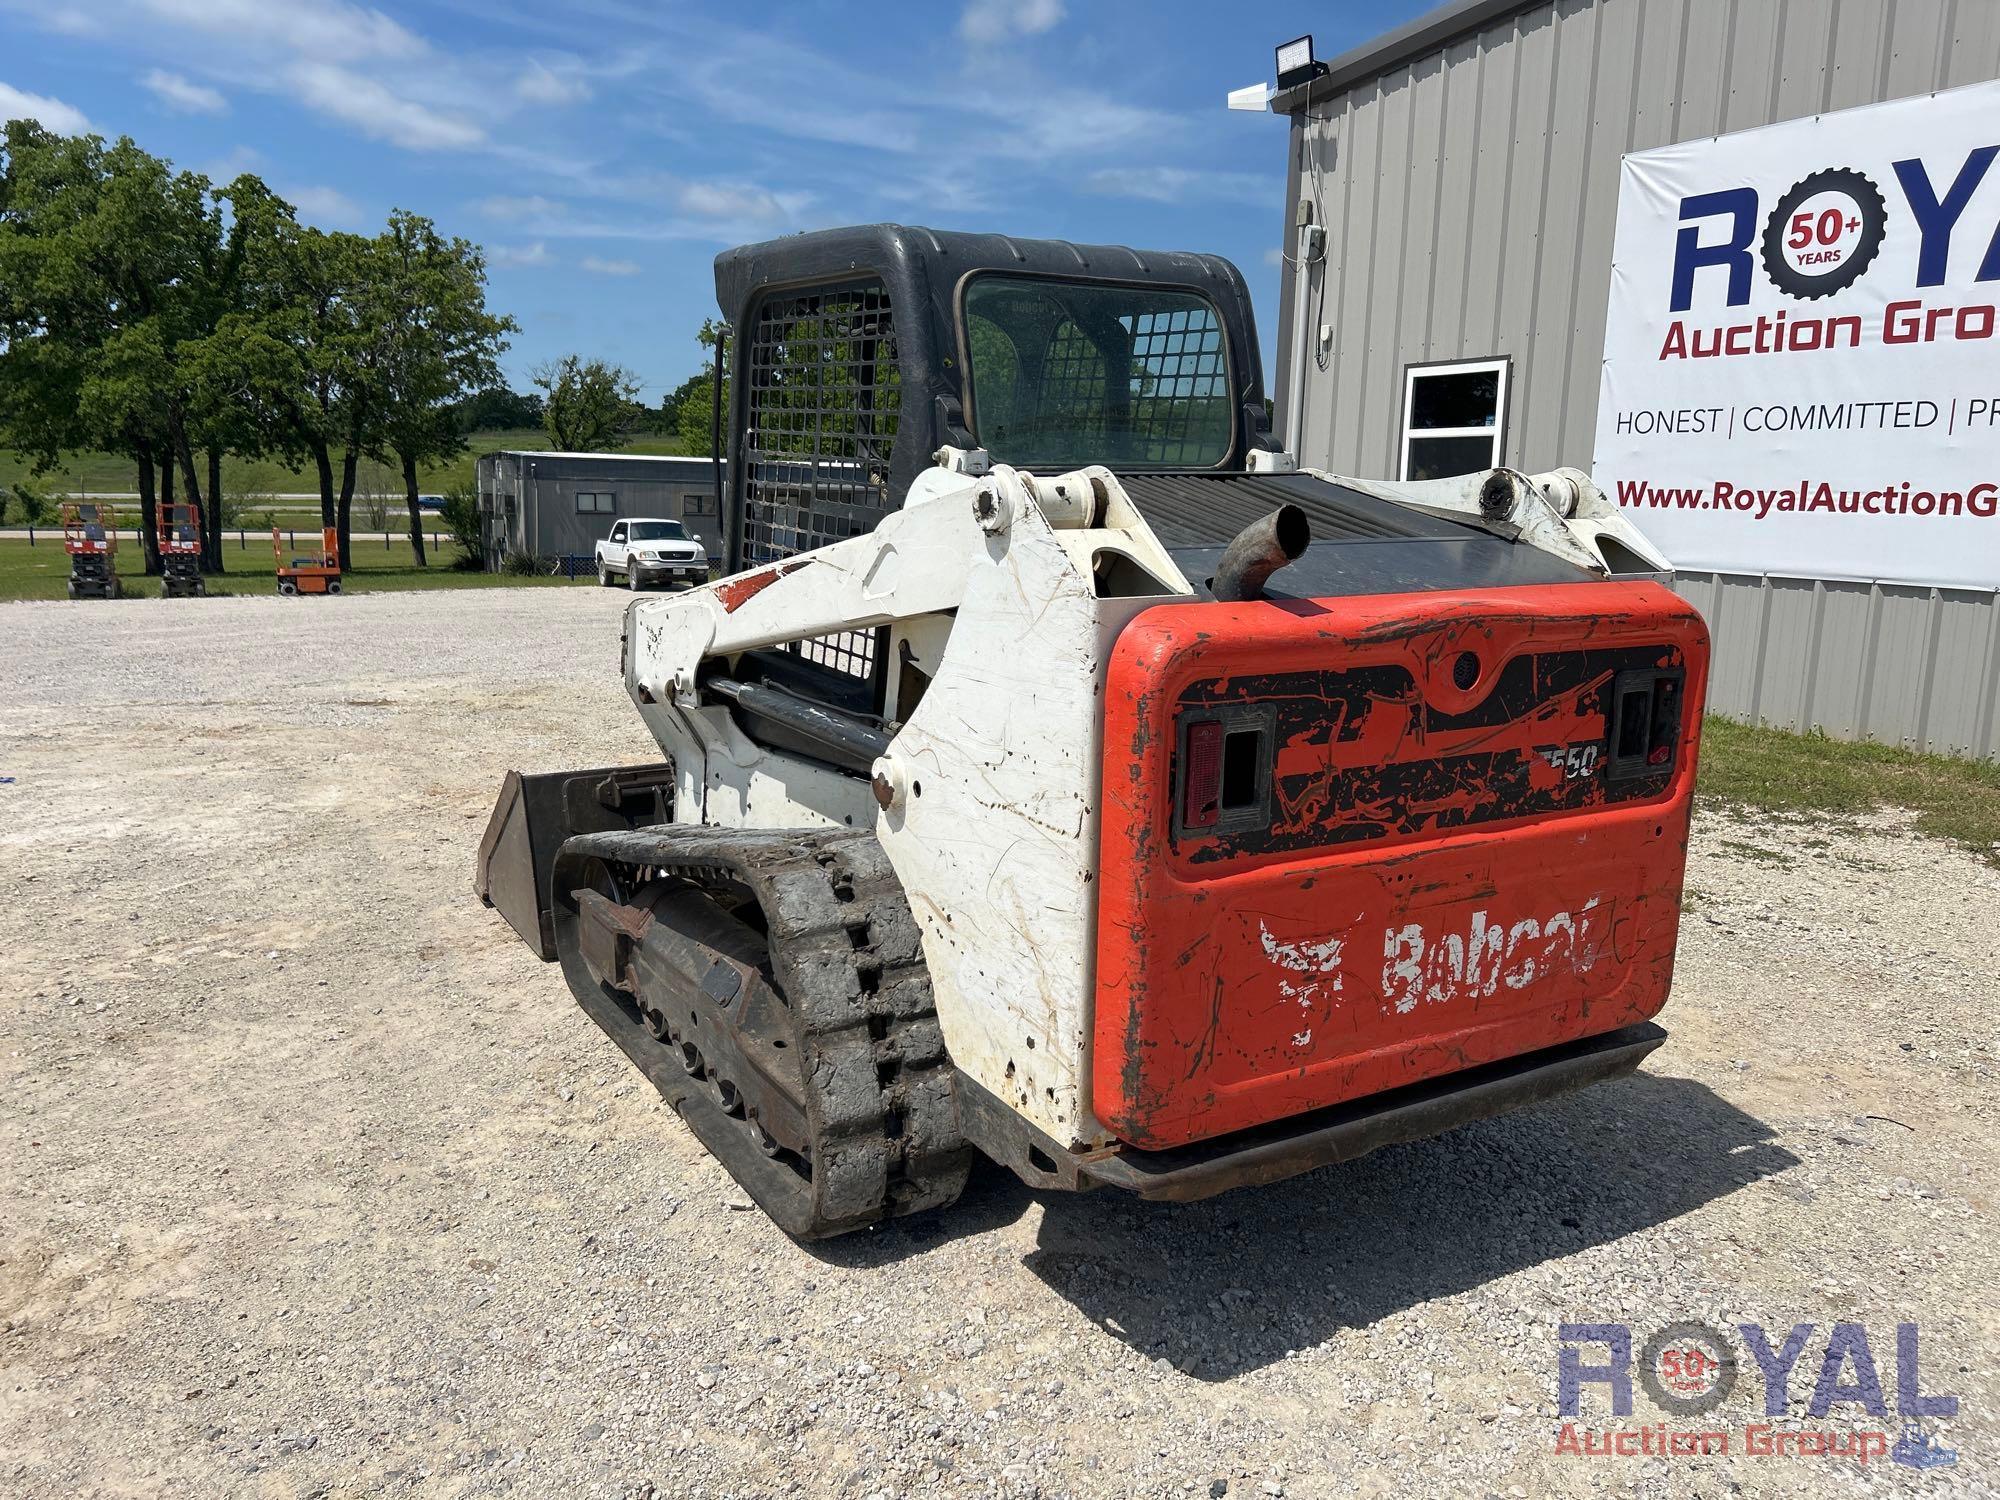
151	313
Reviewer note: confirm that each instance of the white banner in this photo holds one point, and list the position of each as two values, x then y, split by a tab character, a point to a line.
1801	367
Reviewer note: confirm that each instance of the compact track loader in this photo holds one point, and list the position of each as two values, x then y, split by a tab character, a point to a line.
180	552
90	537
1060	773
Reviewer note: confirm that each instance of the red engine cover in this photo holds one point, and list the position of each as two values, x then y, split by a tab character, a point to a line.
1430	853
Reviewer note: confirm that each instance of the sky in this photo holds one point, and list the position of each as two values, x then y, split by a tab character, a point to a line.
602	152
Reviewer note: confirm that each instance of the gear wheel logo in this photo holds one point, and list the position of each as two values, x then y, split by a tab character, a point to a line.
1688	1368
1824	232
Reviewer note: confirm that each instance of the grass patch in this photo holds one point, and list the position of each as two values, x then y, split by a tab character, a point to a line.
1772	771
41	571
1757	853
108	474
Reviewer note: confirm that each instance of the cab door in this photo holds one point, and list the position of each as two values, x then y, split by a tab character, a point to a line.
614	547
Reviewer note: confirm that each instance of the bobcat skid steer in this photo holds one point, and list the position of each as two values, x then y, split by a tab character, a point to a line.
1062	774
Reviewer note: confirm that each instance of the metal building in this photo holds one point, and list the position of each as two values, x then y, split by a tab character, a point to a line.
1467	169
553	505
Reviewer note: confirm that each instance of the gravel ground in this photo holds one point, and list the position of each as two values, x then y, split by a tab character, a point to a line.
317	1183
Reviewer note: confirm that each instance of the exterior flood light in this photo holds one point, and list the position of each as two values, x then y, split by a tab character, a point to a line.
1296	64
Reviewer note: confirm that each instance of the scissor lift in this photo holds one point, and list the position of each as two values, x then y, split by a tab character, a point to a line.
90	537
309	575
180	552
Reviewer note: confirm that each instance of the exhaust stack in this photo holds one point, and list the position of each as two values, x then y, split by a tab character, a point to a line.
1259	550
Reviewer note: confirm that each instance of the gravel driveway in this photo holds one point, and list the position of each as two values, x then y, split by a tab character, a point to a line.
317	1183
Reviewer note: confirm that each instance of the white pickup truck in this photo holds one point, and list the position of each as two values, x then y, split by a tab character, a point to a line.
645	552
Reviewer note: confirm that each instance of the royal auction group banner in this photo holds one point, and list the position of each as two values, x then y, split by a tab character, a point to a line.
1801	357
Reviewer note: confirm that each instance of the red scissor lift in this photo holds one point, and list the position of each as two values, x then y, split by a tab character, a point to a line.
90	537
180	552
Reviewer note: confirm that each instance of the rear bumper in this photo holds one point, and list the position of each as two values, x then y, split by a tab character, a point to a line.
670	572
1285	1148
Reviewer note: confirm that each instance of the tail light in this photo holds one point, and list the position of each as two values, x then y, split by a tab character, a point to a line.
1225	764
1644	732
1201	775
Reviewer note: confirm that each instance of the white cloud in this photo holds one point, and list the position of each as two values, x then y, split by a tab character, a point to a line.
541	84
990	21
183	95
733	200
327	207
506	206
66	22
600	267
228	168
376	110
839	111
323	30
1178	185
1073	122
536	254
53	114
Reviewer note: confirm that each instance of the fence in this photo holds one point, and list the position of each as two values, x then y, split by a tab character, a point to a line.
389	539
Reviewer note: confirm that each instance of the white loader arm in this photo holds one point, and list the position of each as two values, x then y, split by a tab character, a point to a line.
1562	512
914	563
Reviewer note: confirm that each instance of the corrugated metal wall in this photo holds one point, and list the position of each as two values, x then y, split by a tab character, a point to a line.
1470	196
1892	662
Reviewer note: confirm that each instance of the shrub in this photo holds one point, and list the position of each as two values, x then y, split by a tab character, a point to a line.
33	508
461	519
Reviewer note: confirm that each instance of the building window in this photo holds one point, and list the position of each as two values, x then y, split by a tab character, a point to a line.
596	503
697	505
1454	418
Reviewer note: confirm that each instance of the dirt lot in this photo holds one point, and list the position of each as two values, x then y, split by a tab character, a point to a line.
317	1183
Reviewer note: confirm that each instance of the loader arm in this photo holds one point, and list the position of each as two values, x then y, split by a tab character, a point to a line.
915	563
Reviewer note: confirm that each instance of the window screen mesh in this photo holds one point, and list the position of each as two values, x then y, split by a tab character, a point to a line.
824	395
1180	386
1067	373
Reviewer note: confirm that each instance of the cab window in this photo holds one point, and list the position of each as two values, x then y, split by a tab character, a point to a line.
1066	373
658	531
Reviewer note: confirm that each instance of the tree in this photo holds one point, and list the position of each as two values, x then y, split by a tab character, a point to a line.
32	508
47	184
299	364
146	312
586	402
112	266
695	414
440	345
695	387
498	409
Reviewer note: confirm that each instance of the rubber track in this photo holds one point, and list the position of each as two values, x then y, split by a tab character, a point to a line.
846	955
